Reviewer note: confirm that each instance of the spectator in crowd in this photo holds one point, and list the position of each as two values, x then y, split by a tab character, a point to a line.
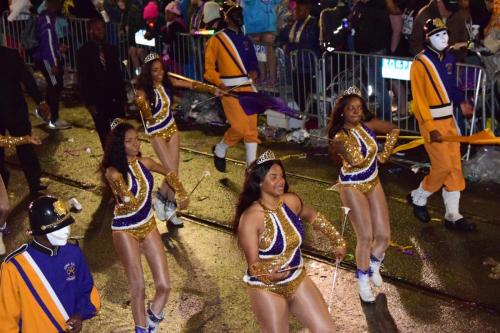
14	116
448	11
366	15
50	61
480	12
9	142
330	20
196	20
492	43
130	21
260	24
212	18
101	79
46	285
174	53
302	34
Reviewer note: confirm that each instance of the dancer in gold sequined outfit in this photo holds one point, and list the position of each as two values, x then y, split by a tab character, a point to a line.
134	226
9	142
268	224
352	134
153	98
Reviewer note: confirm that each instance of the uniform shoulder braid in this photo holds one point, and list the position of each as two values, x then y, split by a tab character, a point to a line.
14	253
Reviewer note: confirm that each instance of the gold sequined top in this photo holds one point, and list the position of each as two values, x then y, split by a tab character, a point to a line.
279	245
159	118
359	163
134	203
12	141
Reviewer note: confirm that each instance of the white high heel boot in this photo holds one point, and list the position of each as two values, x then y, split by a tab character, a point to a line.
365	291
375	263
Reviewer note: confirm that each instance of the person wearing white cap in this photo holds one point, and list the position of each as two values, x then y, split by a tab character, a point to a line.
212	16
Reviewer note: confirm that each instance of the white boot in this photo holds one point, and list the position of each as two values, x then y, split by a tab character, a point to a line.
159	202
171	214
365	291
154	320
451	204
375	263
420	196
251	152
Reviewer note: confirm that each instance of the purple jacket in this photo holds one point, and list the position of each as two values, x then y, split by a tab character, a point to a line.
48	44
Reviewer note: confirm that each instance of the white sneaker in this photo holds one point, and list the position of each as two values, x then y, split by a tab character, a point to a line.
376	278
365	292
2	245
159	205
59	124
171	215
154	320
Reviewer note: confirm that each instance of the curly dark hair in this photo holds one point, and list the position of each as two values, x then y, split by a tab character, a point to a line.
145	81
114	152
337	118
251	188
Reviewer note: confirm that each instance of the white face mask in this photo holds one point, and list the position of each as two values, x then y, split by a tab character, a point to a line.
439	41
59	237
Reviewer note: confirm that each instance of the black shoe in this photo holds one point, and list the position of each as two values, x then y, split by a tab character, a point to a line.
420	212
219	162
461	224
37	191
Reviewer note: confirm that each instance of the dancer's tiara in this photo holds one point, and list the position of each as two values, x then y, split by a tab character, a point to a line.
150	57
267	156
116	122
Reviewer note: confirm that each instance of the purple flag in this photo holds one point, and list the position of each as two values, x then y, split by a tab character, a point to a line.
257	102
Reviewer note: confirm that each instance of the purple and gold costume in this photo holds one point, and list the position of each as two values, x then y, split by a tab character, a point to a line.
280	242
135	215
359	170
159	118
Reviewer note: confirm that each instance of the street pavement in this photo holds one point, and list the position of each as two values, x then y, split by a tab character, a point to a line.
435	277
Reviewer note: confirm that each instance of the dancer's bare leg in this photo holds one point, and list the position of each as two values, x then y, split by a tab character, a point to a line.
157	260
168	153
309	306
380	221
270	309
128	250
361	221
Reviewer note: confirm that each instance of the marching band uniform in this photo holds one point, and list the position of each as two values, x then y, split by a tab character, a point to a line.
279	246
229	57
42	287
433	78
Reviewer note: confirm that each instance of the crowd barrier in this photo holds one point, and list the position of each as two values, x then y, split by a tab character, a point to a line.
308	82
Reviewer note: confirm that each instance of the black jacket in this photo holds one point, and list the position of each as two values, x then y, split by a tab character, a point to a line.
99	84
13	72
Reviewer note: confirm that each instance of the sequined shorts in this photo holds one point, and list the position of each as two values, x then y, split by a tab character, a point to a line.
167	132
365	187
141	232
285	289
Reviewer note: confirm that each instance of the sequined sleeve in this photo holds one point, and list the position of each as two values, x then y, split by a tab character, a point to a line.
175	183
352	153
204	87
12	141
144	108
121	192
390	141
326	227
263	268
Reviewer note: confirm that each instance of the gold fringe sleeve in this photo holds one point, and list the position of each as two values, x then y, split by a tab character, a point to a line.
175	183
326	227
144	108
120	190
390	143
12	141
263	268
204	87
352	153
